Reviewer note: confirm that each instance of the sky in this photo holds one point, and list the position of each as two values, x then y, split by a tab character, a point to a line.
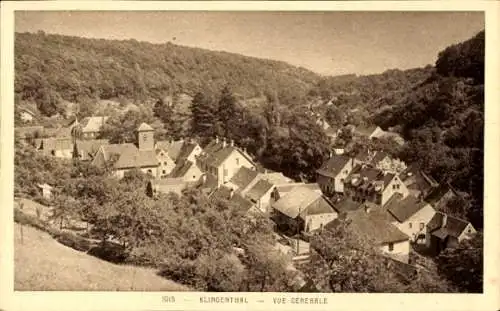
328	43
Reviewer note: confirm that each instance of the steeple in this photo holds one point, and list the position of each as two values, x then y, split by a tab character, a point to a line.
145	137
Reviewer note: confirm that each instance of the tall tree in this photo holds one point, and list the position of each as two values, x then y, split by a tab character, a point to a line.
203	112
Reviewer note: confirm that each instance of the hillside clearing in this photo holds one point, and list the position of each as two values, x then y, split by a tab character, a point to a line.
41	263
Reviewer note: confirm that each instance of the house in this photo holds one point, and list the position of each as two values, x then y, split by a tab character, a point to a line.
364	157
87	149
127	156
445	231
379	157
260	195
243	179
371	131
173	148
346	205
332	173
365	183
223	159
276	178
283	189
26	115
411	215
187	170
332	132
372	224
165	163
91	126
189	151
46	190
302	209
57	147
235	199
418	183
439	196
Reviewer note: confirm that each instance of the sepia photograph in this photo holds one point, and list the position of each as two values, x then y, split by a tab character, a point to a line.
248	151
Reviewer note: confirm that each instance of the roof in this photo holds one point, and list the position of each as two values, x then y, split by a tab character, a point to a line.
363	156
347	205
172	148
403	208
388	177
128	156
443	225
243	177
144	127
438	193
224	193
373	226
285	188
371	174
365	130
93	124
90	147
216	153
334	165
276	178
413	175
186	149
294	201
379	156
181	169
319	206
259	190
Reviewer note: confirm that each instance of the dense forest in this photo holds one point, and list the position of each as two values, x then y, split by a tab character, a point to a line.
50	68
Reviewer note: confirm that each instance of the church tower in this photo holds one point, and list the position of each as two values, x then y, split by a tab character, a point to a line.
145	137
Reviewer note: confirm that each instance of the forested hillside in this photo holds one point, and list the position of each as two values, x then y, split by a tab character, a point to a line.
442	118
54	67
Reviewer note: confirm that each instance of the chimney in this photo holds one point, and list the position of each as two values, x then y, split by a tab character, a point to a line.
232	143
181	139
224	144
203	178
216	139
331	154
231	193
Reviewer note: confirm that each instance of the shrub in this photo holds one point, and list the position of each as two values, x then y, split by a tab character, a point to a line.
111	252
74	241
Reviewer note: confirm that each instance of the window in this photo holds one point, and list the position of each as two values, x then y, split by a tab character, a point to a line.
165	163
421	226
150	172
237	161
346	172
194	176
393	187
145	137
164	172
391	247
409	225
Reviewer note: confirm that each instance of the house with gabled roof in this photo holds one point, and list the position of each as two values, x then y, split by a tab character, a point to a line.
366	183
235	199
332	173
369	131
439	196
243	179
373	224
411	215
446	231
419	183
87	149
57	147
223	159
260	195
91	126
26	115
167	185
165	163
187	170
124	157
302	209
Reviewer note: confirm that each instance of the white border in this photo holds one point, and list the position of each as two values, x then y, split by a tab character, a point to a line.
489	300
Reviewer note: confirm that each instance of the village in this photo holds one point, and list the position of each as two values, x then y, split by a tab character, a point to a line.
394	204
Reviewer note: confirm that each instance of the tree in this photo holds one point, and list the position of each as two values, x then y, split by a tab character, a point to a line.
227	112
463	266
204	118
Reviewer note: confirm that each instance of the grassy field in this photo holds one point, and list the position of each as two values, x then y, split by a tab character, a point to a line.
41	263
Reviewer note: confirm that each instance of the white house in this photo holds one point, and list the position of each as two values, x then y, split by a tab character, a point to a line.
223	159
411	215
165	163
332	173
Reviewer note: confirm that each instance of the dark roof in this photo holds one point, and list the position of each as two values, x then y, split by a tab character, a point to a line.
224	193
333	166
259	190
216	153
186	149
403	208
443	225
88	148
438	193
379	156
373	226
388	177
172	148
347	205
181	169
243	177
363	156
416	179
